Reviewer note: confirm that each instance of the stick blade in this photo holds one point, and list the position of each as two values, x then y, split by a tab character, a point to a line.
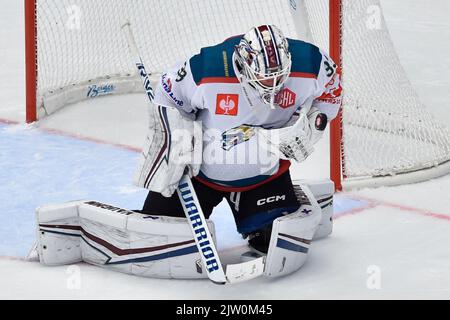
245	271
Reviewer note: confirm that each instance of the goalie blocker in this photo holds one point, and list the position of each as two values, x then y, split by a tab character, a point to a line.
164	247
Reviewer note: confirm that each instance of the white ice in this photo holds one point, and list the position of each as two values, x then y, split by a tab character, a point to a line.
388	243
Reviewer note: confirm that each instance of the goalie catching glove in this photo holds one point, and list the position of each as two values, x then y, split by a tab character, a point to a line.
296	142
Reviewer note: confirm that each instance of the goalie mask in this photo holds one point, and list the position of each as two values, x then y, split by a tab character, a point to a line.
264	61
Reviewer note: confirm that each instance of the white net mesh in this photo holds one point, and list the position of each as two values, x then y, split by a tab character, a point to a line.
386	128
81	40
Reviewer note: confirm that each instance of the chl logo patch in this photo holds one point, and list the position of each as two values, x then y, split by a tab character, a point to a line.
227	104
285	98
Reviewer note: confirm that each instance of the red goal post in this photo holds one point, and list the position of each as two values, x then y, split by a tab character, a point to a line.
335	18
30	60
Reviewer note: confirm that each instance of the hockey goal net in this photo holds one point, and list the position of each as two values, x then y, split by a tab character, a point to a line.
385	135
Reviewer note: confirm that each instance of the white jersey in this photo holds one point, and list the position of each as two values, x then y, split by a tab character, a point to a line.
206	89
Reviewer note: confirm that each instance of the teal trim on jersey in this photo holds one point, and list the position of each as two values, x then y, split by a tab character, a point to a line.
209	63
306	57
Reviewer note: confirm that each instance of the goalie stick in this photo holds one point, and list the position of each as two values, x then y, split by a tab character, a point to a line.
192	209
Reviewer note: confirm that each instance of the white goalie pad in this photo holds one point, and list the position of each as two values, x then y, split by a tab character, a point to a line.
118	239
173	144
58	234
323	192
291	238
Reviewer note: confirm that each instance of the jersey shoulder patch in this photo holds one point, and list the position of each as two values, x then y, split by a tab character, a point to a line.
215	64
306	58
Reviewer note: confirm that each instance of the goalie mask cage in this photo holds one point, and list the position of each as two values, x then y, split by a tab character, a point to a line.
384	135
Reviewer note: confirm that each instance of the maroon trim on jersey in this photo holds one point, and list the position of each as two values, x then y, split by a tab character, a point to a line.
218	80
284	167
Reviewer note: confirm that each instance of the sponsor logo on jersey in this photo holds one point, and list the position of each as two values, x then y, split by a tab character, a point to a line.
270	200
332	93
285	98
167	86
227	104
235	136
